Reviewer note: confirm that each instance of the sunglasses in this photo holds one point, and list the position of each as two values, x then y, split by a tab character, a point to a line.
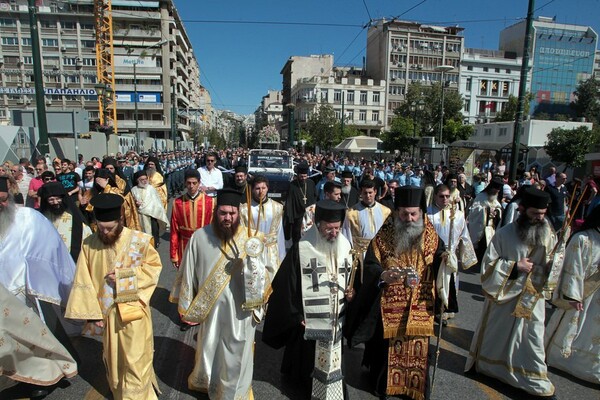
210	160
47	179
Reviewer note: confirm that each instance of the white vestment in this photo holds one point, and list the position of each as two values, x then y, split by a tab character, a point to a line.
268	219
210	290
479	223
573	337
150	207
64	226
506	347
34	262
461	240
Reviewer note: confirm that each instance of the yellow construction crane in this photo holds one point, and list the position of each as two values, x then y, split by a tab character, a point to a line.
104	63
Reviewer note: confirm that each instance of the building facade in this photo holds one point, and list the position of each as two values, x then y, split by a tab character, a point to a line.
165	81
403	52
487	78
563	56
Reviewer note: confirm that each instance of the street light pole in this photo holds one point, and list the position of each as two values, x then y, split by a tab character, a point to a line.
414	107
443	69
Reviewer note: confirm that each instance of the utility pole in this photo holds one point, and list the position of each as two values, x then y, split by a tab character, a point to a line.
135	100
42	147
174	116
342	115
514	155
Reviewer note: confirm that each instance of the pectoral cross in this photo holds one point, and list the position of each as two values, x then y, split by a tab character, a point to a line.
304	200
314	270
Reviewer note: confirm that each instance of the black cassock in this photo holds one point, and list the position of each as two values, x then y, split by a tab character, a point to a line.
295	207
283	322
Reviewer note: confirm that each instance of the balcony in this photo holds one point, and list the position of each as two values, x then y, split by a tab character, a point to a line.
143	33
143	124
140	87
140	106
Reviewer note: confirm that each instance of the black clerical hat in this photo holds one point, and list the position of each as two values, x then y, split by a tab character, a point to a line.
408	196
241	168
329	211
495	183
3	184
139	174
103	173
51	189
107	206
535	198
347	174
302	168
229	197
329	169
191	173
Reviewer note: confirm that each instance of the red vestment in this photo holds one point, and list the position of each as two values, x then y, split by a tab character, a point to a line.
187	216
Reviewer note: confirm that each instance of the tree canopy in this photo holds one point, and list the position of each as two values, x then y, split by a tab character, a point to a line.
509	110
570	145
323	129
587	100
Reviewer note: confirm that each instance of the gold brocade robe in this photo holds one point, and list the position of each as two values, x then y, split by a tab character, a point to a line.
128	347
158	182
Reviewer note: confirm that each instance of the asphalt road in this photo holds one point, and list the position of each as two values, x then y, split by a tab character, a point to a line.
174	356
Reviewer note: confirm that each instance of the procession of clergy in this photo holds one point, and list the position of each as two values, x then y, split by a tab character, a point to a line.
381	270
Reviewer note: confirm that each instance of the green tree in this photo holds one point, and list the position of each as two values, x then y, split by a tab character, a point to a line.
455	130
509	109
320	126
400	135
587	102
570	145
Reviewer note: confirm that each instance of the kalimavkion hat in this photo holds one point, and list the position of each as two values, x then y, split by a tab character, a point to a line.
3	184
229	197
347	174
329	211
407	196
241	168
107	206
50	189
495	183
139	174
302	168
535	198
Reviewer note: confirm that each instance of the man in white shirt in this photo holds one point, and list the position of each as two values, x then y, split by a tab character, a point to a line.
210	176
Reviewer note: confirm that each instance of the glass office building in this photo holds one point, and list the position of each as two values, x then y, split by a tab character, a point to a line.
563	56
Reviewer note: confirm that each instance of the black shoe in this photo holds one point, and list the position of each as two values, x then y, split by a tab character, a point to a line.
38	393
184	327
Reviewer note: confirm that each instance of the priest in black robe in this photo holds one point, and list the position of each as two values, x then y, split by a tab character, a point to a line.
301	194
307	306
350	195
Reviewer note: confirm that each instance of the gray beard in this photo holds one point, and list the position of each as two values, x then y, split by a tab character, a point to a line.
326	247
7	217
407	234
346	189
150	172
142	185
532	235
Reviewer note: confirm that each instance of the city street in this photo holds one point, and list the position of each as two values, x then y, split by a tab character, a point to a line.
174	355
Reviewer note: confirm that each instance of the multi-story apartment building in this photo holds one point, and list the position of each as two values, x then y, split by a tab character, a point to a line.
563	55
597	65
403	52
270	111
348	91
148	34
487	78
312	81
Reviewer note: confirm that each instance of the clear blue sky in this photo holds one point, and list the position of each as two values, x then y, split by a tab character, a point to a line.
240	59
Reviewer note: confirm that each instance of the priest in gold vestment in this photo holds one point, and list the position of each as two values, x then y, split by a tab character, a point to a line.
508	343
393	309
117	272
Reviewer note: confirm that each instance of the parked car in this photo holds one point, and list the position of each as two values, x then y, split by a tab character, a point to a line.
277	166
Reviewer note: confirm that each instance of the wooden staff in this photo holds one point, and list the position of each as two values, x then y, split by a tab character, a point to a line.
570	209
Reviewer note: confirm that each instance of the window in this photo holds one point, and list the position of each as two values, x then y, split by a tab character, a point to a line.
508	71
47	24
69	61
469	83
362	115
69	43
25	41
375	116
483	87
68	25
503	132
338	114
505	89
10	41
467	105
337	96
485	69
376	97
89	62
28	60
497	70
87	43
49	42
51	61
469	68
89	27
51	79
89	79
350	96
350	115
7	22
487	132
363	97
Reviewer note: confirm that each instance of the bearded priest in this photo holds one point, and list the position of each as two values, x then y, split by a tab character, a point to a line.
393	309
508	343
